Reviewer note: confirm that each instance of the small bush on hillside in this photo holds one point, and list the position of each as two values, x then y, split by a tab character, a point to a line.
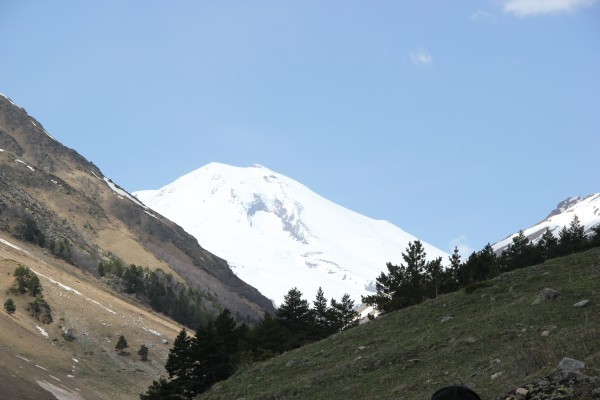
121	345
40	310
9	306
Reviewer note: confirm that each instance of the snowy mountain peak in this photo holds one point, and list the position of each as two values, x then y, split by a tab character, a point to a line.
565	205
587	210
276	233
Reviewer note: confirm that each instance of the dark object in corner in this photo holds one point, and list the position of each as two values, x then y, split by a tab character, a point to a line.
455	393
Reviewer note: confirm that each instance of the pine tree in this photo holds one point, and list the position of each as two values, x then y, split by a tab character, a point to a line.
455	263
572	239
403	285
344	315
519	253
121	345
268	336
435	276
294	315
9	306
159	390
178	360
321	315
594	240
143	352
34	287
547	246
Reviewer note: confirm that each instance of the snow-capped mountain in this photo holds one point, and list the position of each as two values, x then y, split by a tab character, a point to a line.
277	233
587	210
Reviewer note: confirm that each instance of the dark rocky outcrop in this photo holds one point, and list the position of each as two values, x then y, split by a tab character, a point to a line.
566	383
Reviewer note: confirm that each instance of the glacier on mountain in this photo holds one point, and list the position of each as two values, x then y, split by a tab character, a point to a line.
277	234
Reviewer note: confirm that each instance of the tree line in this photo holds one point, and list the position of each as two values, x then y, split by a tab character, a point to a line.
157	289
417	279
218	348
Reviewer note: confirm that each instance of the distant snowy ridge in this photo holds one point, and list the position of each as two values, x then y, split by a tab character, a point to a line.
587	210
276	233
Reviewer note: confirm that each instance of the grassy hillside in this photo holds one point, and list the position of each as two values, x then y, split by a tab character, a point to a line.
456	338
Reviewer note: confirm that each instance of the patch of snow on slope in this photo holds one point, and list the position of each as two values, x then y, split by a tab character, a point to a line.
152	331
7	98
58	392
42	331
68	288
123	193
6	242
97	303
276	233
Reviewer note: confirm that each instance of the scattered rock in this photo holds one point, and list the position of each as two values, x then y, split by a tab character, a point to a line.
164	341
446	319
496	375
582	303
521	393
290	363
570	365
546	333
549	294
560	385
362	347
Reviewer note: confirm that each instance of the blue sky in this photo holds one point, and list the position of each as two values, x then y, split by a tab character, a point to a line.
458	121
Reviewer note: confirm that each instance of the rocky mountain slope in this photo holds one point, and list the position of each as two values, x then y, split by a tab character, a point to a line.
277	233
587	210
51	195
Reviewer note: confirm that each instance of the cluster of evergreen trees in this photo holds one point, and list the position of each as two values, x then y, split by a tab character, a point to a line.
218	348
26	281
417	279
157	289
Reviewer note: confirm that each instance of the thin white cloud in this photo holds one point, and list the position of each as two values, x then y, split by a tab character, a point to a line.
524	8
481	15
421	57
463	247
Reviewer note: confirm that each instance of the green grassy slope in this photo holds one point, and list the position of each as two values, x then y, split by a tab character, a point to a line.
411	353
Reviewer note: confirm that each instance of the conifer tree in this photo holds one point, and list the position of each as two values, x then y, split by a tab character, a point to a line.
268	336
344	315
455	262
435	276
547	246
321	315
594	240
403	285
519	253
294	315
143	352
573	239
121	345
9	306
178	360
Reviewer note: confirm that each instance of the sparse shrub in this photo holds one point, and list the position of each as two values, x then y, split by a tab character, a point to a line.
121	345
9	306
40	310
143	352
